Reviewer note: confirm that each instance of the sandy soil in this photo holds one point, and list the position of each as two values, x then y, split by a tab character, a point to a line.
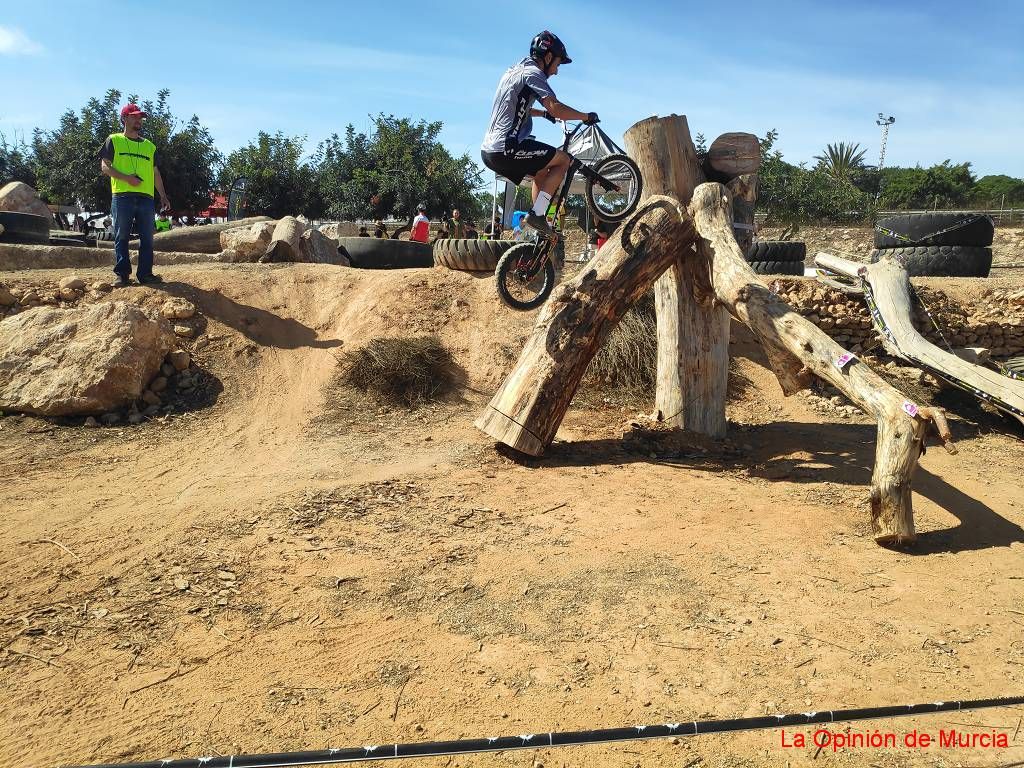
296	566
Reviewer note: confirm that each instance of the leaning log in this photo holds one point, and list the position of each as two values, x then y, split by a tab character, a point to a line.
693	333
528	408
798	349
732	155
743	190
889	287
286	242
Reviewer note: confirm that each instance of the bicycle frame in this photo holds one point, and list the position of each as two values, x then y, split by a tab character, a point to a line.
545	243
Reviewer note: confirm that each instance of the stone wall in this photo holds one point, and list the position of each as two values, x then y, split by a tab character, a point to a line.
993	320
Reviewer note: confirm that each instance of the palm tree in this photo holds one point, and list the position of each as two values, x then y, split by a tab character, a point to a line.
841	159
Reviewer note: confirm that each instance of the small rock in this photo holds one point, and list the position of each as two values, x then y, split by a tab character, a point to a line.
91	422
29	297
180	584
74	283
202	342
152	411
94	294
68	294
111	418
183	330
7	298
184	381
180	359
136	418
48	298
102	285
167	369
159	384
150	397
178	309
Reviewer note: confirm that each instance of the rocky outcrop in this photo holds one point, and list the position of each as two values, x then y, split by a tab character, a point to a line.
247	243
317	248
90	360
20	197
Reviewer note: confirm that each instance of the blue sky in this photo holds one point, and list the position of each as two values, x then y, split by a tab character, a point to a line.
951	73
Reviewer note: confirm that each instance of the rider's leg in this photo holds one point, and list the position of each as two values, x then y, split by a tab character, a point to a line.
550	176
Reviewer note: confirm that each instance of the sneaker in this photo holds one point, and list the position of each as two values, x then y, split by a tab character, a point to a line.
123	281
539	223
150	279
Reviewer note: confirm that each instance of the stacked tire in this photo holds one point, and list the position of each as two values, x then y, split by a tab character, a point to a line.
949	244
470	255
24	228
375	253
777	257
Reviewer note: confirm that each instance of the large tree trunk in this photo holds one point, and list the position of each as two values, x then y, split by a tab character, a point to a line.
693	332
202	238
798	348
526	411
732	155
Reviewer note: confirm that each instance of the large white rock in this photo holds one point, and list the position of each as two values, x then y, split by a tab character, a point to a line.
20	197
94	359
317	248
248	243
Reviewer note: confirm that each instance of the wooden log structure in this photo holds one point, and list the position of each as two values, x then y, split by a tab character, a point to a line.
797	349
890	292
526	411
201	238
732	155
743	190
286	242
693	332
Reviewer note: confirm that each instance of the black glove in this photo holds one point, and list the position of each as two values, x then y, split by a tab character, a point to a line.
549	117
592	118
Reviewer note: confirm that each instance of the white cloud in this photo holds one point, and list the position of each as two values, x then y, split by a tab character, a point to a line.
14	42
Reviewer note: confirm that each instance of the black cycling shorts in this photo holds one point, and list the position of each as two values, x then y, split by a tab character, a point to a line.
529	158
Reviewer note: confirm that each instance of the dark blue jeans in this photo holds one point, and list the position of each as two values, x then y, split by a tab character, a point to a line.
128	210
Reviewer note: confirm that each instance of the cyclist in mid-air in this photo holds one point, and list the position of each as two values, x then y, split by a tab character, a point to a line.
507	149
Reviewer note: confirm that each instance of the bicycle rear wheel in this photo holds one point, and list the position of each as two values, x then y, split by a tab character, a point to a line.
614	206
519	289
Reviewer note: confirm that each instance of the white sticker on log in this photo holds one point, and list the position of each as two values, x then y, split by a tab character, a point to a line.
844	360
910	408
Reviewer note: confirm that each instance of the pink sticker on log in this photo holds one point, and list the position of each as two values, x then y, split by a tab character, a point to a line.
910	408
844	360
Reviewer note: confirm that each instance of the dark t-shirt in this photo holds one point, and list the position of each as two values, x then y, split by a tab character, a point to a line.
106	152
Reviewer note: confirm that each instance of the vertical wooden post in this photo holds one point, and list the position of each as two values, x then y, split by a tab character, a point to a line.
693	330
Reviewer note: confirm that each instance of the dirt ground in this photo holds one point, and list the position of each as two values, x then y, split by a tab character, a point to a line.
295	566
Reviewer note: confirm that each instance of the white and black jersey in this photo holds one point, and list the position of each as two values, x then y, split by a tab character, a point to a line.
520	87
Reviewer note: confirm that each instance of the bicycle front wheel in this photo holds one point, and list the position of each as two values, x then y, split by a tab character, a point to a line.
517	286
614	205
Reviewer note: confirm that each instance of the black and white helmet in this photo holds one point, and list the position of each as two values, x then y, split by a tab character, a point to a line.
546	42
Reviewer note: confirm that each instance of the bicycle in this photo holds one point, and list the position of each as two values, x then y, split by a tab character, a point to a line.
527	268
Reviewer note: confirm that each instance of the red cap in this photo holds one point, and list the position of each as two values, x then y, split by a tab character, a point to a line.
131	110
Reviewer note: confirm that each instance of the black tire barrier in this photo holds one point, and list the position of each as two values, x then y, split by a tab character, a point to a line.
374	253
777	250
958	228
24	228
1015	365
470	255
940	260
777	267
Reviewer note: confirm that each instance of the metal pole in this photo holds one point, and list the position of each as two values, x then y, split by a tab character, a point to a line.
494	208
566	738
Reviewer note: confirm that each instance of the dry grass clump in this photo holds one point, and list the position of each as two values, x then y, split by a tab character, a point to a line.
627	362
405	370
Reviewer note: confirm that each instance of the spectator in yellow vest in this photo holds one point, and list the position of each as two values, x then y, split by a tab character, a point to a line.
130	162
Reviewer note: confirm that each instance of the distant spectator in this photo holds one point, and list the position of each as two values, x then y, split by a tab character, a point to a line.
420	225
471	233
163	224
363	232
79	225
380	230
457	227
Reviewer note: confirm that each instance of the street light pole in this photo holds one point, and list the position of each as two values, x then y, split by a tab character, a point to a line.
884	122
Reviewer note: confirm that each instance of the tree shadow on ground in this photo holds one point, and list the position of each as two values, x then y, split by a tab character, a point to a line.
263	327
839	454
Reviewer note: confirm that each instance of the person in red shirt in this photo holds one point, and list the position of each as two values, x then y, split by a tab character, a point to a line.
420	225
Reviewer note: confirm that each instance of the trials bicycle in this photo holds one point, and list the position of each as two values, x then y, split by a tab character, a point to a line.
526	272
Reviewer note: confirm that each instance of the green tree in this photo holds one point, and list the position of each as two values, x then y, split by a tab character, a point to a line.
944	185
993	191
280	181
68	170
841	161
16	162
391	169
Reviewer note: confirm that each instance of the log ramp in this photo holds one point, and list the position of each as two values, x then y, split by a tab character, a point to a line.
681	242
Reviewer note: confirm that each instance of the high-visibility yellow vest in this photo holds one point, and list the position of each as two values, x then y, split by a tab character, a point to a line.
133	158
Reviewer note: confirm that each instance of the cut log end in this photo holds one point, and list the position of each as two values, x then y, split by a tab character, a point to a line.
506	431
